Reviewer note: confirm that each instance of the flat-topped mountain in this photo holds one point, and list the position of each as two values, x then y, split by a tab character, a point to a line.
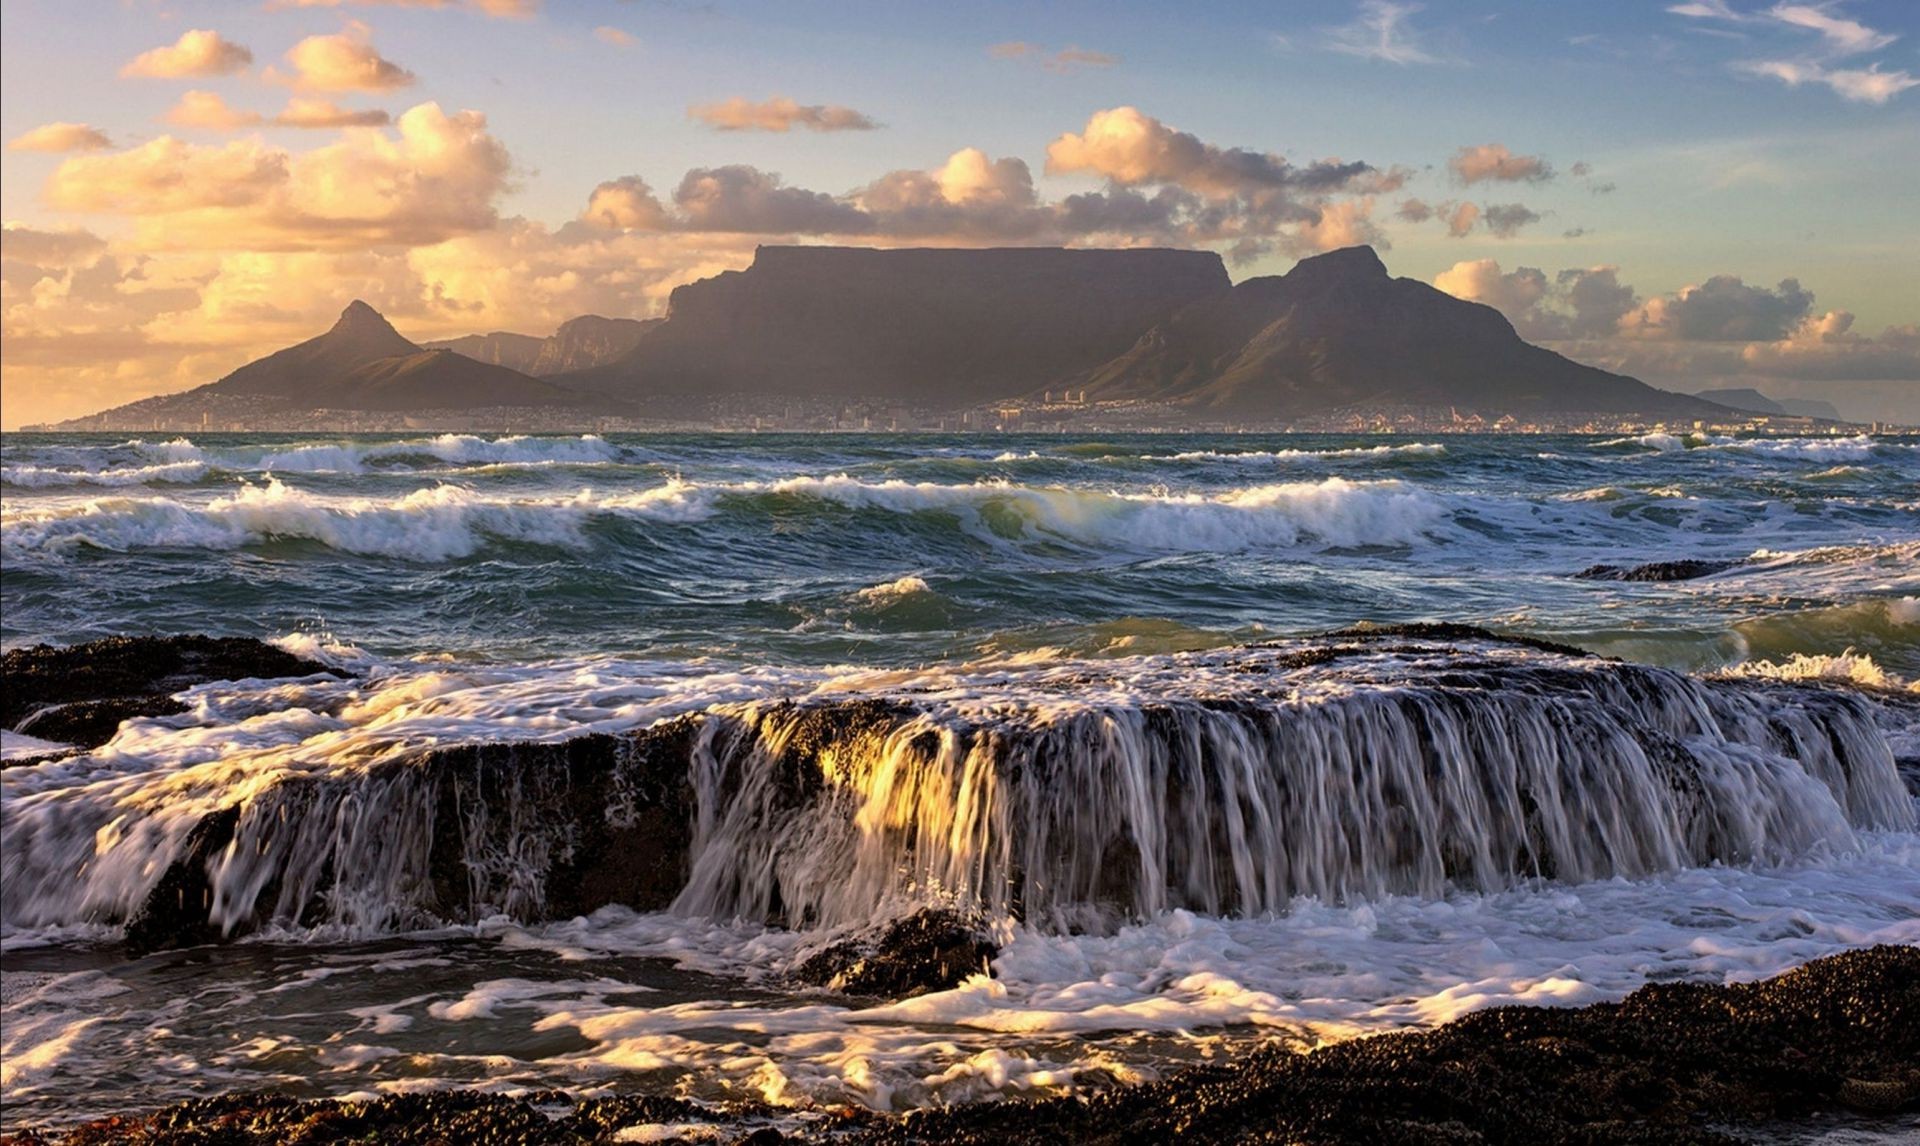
361	364
933	328
1337	331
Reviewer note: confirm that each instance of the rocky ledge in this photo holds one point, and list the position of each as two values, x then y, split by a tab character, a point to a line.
1835	1042
80	694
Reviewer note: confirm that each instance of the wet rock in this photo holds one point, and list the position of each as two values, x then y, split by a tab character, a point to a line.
177	912
80	694
930	950
1685	1062
1684	570
1450	631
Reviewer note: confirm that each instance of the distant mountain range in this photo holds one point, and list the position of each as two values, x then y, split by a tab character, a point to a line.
1754	401
580	344
954	329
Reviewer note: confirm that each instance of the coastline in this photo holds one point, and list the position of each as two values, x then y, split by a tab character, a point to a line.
1832	1044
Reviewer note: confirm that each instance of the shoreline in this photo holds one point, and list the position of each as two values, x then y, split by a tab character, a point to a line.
1837	1038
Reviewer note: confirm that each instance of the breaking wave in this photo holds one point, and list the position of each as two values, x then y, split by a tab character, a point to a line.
446	521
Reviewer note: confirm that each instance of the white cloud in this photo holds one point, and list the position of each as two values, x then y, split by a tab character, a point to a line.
1381	31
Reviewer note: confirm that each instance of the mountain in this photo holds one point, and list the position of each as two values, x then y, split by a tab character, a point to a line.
588	341
362	364
580	344
931	328
1753	401
498	348
1337	331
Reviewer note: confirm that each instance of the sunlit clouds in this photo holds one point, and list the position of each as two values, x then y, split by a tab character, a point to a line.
201	52
778	114
61	137
345	62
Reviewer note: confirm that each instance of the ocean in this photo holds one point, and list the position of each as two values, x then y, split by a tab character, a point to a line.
1110	722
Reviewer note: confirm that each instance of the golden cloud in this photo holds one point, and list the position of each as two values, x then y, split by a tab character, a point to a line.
344	62
61	137
778	114
434	177
201	52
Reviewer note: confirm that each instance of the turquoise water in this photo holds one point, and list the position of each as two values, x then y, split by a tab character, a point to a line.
897	549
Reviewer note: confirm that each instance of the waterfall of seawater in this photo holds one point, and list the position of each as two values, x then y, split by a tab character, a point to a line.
1247	781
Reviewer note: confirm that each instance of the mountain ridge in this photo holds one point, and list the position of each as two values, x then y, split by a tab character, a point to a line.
1338	331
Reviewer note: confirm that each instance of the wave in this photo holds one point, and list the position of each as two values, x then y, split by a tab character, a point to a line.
1859	447
444	522
53	477
452	449
1848	667
1412	449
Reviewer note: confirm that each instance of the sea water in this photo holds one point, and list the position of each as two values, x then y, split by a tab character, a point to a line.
1068	622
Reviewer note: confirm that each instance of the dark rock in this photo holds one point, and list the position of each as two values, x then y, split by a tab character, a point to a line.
1684	570
177	911
1448	631
930	950
1687	1062
81	693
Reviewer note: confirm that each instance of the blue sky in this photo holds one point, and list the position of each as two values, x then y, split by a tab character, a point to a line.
1678	148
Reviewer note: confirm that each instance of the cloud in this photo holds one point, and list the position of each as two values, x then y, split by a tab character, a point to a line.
167	175
626	204
1414	210
745	200
1064	61
1492	162
1481	280
1722	309
1719	333
510	9
201	52
1839	38
1505	220
344	62
303	111
49	248
1132	148
1861	85
1843	37
618	37
1577	303
61	137
435	176
778	114
1460	218
1381	31
206	111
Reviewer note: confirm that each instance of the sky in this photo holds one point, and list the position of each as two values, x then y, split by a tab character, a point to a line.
1698	192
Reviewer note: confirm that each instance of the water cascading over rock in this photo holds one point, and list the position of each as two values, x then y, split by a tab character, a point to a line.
1073	796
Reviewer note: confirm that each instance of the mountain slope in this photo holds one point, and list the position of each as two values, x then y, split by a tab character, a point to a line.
360	364
937	328
497	348
1337	331
588	341
359	337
